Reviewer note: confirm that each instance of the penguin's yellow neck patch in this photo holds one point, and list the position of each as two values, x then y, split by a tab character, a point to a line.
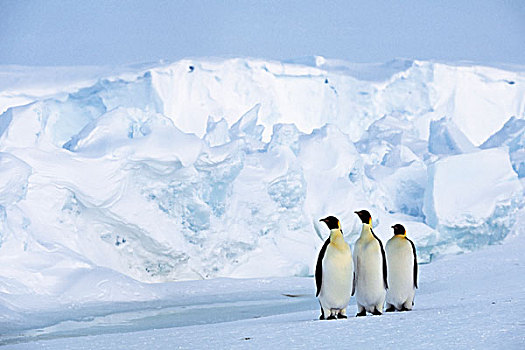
366	232
370	222
336	238
402	235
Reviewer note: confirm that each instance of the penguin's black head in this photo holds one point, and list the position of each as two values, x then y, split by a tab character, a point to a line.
332	222
365	217
399	229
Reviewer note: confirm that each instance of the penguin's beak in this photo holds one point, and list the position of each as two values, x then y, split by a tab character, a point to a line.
393	226
323	220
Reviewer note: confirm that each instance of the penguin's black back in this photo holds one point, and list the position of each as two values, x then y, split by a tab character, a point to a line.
415	261
385	279
319	267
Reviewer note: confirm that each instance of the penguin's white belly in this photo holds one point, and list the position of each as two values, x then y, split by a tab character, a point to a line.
370	288
400	262
337	278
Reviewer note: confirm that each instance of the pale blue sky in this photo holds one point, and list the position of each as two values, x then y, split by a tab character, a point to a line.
53	32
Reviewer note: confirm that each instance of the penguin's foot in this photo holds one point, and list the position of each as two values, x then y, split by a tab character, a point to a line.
404	308
362	313
321	317
331	317
341	316
376	312
391	308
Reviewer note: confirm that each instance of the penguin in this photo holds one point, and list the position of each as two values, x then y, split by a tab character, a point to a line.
333	273
401	260
370	277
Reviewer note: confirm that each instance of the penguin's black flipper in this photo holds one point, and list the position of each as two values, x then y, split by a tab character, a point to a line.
385	279
319	267
353	286
415	262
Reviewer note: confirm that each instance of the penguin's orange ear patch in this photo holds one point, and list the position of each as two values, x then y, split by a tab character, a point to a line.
370	222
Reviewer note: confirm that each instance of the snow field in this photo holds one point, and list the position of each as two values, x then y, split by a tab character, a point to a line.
113	179
469	301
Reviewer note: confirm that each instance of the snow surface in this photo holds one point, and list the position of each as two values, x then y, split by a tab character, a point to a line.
470	301
218	168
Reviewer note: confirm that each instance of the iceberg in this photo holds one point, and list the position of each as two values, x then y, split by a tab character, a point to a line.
161	172
446	138
472	199
512	134
14	175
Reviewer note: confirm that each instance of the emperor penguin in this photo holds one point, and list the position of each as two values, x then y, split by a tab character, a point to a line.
333	272
401	259
370	277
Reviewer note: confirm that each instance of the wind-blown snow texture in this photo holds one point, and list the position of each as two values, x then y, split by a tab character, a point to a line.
222	168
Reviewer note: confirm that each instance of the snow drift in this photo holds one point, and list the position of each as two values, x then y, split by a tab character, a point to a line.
207	168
